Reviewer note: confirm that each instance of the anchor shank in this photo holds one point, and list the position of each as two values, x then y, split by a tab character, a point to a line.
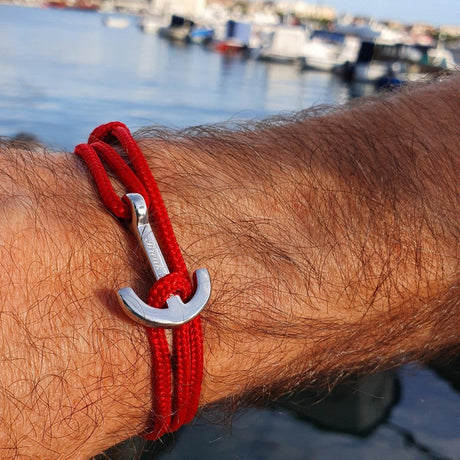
141	228
152	251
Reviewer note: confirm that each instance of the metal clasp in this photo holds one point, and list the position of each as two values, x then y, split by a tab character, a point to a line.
177	312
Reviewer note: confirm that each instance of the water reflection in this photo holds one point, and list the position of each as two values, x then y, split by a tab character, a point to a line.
357	89
357	407
63	73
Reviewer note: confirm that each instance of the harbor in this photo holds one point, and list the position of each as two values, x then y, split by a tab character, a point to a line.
309	36
106	65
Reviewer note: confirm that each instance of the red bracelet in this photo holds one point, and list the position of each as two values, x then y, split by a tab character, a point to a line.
170	302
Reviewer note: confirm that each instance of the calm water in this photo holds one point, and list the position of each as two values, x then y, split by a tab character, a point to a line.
62	73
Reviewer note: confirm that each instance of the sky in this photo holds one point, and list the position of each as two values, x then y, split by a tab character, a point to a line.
436	12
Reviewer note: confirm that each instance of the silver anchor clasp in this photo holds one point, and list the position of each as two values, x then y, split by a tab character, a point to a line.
178	312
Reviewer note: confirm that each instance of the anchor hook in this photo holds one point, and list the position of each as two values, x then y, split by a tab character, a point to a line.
177	312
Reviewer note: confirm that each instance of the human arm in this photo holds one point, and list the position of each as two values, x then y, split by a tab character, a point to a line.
332	244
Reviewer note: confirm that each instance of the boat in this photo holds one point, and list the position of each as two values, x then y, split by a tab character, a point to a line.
151	23
116	22
201	34
58	4
440	57
178	30
283	43
375	62
325	50
236	40
378	60
79	5
154	17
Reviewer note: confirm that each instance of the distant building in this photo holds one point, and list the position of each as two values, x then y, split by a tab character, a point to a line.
132	6
186	8
450	31
306	10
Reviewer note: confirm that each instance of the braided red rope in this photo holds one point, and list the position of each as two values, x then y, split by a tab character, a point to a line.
173	405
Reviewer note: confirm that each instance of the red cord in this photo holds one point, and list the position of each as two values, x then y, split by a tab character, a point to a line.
175	401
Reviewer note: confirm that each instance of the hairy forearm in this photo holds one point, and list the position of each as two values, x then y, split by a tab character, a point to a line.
337	247
332	243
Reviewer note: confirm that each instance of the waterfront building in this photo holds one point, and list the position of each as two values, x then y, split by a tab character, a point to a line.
307	11
185	8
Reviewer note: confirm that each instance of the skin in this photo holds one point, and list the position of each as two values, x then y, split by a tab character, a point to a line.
332	243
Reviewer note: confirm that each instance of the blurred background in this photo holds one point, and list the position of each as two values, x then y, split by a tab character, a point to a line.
67	66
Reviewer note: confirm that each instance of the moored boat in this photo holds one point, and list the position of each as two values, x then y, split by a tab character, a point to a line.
377	60
152	23
236	40
178	30
282	43
116	22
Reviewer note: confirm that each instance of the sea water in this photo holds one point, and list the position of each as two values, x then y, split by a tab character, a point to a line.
63	72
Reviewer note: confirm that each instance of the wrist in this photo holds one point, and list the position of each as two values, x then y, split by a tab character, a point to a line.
87	366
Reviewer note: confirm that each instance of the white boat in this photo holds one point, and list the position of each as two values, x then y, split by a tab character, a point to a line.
376	60
116	22
151	24
326	50
282	43
441	57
